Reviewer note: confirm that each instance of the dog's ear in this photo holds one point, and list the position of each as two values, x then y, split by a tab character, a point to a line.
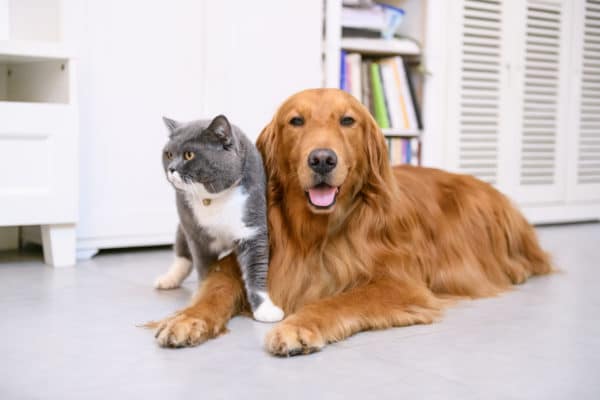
266	144
379	172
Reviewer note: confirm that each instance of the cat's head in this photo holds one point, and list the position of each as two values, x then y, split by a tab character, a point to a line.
202	157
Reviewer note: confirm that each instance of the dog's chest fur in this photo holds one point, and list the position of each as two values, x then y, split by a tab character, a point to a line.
223	218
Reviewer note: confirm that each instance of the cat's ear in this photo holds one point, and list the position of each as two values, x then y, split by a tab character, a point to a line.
171	124
221	130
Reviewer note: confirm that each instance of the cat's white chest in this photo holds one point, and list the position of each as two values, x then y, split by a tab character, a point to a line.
221	215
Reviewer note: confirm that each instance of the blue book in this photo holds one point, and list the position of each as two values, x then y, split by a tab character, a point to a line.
343	71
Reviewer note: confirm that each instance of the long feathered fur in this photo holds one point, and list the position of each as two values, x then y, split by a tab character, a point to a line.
449	234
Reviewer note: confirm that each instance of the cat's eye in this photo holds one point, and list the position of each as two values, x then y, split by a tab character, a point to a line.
169	155
297	121
347	121
189	155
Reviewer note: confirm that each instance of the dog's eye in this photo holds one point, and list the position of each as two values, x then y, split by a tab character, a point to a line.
297	121
169	155
347	121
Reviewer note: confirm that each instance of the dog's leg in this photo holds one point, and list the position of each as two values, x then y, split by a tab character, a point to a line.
377	305
220	297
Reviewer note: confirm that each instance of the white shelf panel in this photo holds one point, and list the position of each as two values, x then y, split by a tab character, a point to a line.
377	46
20	51
400	133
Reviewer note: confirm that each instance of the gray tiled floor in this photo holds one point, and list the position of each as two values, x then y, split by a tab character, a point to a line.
70	333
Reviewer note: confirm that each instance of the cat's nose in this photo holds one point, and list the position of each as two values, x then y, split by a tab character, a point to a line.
171	170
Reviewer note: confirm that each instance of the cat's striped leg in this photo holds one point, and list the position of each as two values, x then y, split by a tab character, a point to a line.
181	266
253	258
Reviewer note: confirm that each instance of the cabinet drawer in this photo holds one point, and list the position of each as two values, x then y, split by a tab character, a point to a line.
38	163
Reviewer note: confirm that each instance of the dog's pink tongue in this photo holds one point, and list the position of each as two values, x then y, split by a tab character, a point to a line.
322	196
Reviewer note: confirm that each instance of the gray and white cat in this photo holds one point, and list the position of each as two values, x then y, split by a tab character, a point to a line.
220	186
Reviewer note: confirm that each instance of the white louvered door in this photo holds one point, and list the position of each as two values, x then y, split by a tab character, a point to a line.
507	86
539	86
523	102
476	78
584	150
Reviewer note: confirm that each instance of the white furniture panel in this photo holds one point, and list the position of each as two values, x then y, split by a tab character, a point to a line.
38	180
584	149
257	54
539	60
521	79
476	80
38	129
4	19
185	60
37	19
129	79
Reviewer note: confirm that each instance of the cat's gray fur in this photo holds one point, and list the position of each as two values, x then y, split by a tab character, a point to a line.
227	170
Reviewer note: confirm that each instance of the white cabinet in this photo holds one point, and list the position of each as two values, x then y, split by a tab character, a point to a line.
522	85
38	124
584	99
141	60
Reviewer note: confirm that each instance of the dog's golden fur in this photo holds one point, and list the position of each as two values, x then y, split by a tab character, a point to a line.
394	248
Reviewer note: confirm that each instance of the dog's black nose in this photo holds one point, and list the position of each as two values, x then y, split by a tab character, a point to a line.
322	161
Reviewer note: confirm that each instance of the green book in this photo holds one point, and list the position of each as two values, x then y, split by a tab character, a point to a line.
381	115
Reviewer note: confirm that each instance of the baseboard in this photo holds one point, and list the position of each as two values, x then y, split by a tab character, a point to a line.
89	247
553	214
124	241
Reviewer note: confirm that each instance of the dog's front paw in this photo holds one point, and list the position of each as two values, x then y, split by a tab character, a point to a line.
287	339
182	330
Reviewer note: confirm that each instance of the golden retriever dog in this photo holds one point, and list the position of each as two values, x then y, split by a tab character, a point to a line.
359	245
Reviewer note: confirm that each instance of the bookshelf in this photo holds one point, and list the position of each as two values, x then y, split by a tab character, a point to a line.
375	46
374	50
38	134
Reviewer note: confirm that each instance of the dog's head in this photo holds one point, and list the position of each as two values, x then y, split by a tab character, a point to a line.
325	146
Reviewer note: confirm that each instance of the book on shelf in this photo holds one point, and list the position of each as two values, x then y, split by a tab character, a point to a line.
379	104
367	93
354	75
414	81
396	101
405	99
343	83
385	86
403	150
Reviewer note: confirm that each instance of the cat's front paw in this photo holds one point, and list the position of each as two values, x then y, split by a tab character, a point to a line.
268	312
167	281
179	270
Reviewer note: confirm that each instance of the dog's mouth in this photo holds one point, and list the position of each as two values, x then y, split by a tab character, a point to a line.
322	196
